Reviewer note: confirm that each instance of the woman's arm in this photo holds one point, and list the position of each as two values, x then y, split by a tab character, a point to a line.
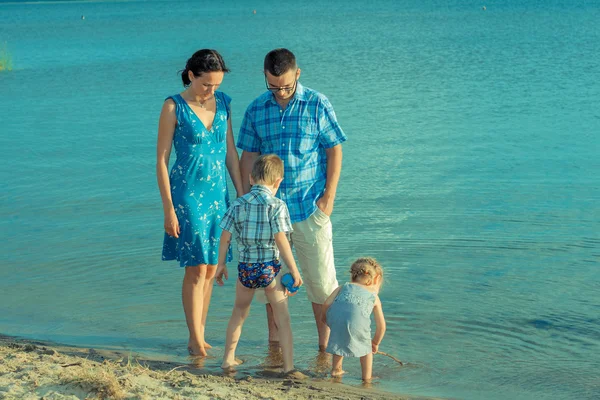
379	325
246	162
166	128
233	162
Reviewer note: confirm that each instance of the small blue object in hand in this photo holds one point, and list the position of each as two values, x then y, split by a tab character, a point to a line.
287	280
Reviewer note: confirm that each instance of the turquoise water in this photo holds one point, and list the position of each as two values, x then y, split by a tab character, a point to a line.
471	172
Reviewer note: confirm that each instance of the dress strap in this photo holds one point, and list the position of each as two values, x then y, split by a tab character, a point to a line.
179	109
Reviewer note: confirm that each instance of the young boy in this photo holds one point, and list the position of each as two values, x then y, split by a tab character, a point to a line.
260	222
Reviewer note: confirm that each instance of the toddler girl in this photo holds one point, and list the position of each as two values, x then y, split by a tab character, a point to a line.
347	312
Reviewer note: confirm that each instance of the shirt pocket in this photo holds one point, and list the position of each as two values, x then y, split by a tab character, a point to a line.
309	135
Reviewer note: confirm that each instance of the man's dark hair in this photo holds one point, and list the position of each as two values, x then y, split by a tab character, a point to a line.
279	61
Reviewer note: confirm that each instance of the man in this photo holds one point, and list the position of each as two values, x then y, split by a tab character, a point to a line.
299	125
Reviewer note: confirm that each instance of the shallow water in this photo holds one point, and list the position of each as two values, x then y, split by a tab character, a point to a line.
471	172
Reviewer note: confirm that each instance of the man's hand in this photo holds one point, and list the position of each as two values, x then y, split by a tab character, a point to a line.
221	270
325	204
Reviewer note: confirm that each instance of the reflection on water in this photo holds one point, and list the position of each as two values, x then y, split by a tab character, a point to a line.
274	357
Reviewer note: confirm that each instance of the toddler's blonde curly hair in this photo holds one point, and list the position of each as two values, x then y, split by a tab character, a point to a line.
366	268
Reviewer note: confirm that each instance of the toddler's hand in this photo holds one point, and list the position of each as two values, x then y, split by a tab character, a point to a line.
374	347
221	270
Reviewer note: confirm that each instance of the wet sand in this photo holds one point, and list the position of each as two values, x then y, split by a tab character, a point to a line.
34	370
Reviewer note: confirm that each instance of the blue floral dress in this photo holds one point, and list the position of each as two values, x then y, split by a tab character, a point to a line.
349	318
198	184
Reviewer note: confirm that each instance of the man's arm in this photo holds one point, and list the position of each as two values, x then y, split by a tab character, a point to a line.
334	169
246	163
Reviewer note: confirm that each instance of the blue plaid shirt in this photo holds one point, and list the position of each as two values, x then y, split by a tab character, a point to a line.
299	135
255	218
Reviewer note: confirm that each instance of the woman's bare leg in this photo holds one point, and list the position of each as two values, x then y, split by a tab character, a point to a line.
209	281
192	294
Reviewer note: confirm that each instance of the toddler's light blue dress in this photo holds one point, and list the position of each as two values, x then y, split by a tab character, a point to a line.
198	184
349	318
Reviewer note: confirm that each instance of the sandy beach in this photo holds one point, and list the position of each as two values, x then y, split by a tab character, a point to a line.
37	370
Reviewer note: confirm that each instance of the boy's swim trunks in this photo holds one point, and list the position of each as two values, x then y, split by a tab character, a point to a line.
258	275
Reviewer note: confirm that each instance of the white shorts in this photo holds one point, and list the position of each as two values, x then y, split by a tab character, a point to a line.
312	240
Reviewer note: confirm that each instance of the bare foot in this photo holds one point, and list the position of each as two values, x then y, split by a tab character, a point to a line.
231	365
294	374
197	351
337	373
191	345
368	382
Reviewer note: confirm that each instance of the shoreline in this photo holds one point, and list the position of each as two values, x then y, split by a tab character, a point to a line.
31	369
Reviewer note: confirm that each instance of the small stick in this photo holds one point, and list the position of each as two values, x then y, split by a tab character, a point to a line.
71	365
390	356
181	366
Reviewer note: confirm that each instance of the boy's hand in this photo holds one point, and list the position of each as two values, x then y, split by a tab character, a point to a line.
374	347
297	279
221	270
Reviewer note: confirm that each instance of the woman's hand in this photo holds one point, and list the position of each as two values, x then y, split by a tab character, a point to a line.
172	224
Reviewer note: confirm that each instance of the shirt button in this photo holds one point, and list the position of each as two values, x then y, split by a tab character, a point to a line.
283	145
280	111
283	127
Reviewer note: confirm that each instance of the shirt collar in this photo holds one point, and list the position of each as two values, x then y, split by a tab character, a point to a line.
299	95
261	188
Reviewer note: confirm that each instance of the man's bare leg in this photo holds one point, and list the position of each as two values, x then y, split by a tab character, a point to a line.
273	330
322	327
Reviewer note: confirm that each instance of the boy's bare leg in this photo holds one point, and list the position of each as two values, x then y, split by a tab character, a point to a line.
241	308
208	288
322	328
192	295
273	331
279	303
366	363
336	366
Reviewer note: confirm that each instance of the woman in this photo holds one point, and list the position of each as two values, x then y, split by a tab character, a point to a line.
194	194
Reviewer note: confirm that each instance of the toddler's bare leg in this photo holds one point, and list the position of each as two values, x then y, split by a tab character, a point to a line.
336	366
279	302
243	298
366	363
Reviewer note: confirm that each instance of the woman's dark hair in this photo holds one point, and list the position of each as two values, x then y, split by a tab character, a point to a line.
279	61
205	60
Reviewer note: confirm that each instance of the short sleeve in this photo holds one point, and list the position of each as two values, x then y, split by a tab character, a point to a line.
248	139
280	220
330	132
228	219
